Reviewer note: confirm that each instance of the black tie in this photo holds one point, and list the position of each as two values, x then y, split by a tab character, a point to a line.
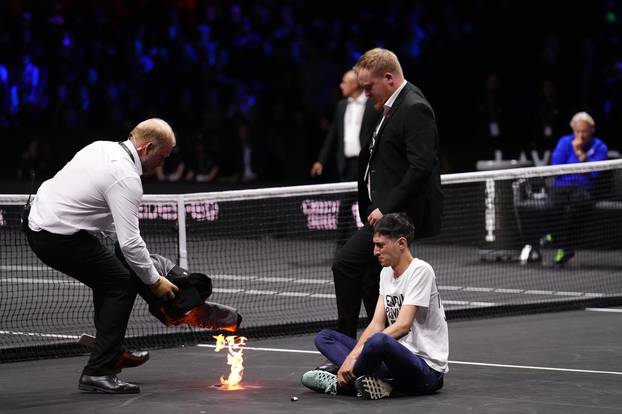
375	134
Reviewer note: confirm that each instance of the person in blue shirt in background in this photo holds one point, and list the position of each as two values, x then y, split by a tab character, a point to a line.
572	194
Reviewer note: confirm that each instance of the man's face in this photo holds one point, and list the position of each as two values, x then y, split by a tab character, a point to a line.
583	133
154	157
388	251
377	87
349	84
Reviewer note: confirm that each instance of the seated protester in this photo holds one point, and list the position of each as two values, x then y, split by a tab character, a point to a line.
405	348
572	193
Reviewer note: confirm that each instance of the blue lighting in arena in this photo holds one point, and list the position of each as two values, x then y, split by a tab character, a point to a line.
4	74
146	63
67	40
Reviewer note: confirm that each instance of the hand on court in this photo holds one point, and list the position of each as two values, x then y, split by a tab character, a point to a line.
374	216
345	375
164	289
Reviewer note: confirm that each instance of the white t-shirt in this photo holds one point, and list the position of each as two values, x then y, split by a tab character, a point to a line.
428	336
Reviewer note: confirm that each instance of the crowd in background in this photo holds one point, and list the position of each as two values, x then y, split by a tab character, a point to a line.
250	86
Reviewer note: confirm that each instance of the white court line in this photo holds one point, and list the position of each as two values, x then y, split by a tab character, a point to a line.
500	290
450	287
539	292
302	351
604	310
482	364
11	268
305	281
294	351
41	281
41	335
478	289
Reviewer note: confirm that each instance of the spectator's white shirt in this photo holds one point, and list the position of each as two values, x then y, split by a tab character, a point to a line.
352	120
428	336
99	190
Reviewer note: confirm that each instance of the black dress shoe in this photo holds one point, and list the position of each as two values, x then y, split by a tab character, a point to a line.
328	367
106	383
130	359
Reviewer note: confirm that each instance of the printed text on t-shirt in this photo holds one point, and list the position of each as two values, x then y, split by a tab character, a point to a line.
392	307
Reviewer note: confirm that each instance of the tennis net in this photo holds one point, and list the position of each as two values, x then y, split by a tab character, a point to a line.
269	253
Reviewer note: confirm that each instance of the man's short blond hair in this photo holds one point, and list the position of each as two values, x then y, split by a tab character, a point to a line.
582	117
379	61
154	130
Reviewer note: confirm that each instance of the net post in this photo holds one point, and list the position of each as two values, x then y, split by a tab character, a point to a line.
181	228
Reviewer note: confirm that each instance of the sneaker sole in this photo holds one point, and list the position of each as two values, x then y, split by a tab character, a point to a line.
372	389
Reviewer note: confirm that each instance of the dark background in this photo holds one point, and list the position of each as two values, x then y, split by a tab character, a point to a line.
261	78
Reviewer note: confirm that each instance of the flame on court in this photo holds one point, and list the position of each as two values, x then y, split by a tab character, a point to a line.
235	358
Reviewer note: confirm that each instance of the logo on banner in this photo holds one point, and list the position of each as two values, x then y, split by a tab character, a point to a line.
321	214
198	211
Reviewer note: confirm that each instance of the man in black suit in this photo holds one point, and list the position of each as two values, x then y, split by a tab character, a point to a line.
355	119
398	172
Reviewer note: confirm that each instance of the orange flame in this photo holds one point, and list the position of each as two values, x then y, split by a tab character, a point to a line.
235	358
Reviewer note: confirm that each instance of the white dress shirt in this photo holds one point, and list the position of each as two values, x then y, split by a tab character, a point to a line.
99	190
352	120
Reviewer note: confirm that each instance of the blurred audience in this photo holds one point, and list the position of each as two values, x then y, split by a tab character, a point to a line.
250	74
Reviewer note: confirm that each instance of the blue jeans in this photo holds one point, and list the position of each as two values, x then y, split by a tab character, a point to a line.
383	357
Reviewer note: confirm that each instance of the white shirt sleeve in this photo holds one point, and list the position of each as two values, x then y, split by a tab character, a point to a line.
123	199
385	273
419	288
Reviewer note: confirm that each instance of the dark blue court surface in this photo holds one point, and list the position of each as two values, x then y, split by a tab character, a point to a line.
567	362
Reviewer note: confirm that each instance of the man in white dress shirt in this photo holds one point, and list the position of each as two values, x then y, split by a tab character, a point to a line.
100	190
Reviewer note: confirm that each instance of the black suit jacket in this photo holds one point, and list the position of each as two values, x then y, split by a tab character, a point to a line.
334	142
404	165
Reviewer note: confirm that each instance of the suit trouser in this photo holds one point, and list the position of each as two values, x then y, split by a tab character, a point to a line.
83	257
356	273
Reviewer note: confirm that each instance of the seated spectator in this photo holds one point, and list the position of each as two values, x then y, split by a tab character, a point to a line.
202	166
34	159
173	168
572	194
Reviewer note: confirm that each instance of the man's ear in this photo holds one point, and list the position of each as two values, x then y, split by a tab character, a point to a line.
147	147
402	242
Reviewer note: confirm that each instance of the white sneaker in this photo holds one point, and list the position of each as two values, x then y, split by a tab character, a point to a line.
320	381
372	388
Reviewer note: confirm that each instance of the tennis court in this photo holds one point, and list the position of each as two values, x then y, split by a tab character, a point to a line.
269	253
568	362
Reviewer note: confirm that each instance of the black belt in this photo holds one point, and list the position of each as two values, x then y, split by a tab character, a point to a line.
127	150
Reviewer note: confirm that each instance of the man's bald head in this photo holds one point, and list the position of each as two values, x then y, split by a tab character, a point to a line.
153	130
154	140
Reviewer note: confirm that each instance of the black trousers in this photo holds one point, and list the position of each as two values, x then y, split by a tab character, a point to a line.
572	205
346	223
356	273
83	257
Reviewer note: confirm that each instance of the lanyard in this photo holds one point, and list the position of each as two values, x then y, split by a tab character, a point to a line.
127	150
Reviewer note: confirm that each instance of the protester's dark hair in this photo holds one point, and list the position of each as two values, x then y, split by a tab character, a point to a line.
394	226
